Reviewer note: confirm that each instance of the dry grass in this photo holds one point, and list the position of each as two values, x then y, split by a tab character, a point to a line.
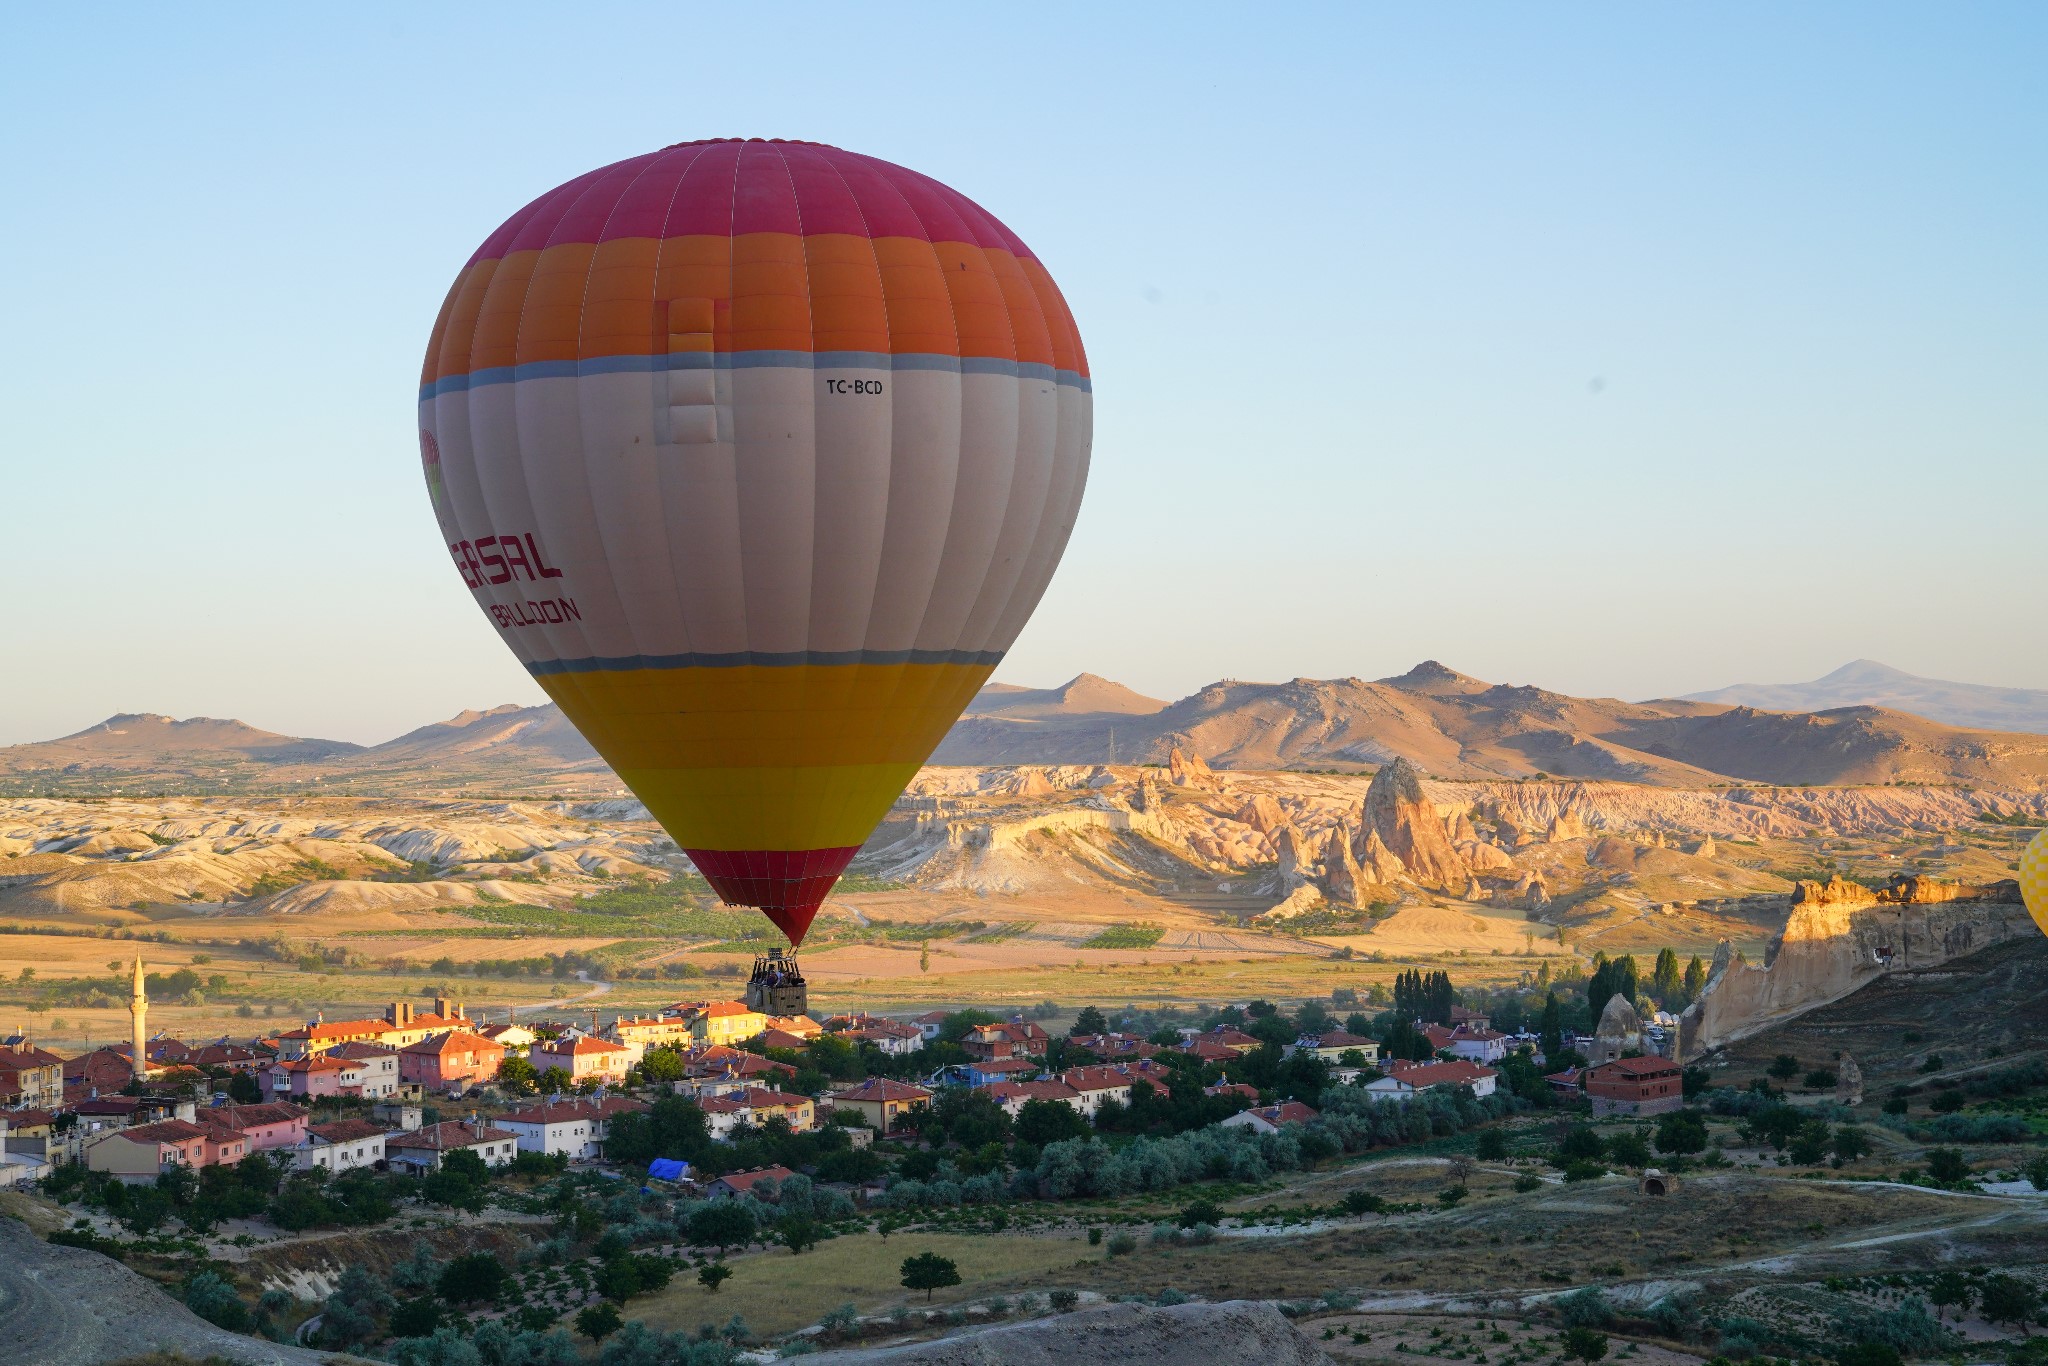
777	1292
1400	1338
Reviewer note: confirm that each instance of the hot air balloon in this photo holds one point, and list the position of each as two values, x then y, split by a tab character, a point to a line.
2034	879
758	455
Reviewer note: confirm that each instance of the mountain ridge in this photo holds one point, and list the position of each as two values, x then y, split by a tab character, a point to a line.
1451	725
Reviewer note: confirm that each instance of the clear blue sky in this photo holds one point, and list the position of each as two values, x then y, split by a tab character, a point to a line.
1661	346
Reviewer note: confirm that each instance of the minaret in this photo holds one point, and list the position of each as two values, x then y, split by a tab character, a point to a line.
138	1011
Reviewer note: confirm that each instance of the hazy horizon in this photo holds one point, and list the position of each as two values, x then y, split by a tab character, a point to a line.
1652	351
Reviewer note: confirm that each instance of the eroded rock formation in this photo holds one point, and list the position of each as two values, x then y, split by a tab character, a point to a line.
1407	822
1839	936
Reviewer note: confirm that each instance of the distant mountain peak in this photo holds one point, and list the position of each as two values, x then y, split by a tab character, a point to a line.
1872	683
1435	678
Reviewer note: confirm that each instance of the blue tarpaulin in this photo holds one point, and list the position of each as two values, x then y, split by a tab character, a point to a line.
668	1169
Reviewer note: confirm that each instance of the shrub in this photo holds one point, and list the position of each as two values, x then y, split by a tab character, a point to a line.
1199	1212
478	1276
213	1299
1947	1165
1584	1171
1122	1245
1586	1308
417	1318
1063	1301
1584	1344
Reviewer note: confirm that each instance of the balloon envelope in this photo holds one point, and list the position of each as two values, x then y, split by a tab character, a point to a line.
2034	879
757	455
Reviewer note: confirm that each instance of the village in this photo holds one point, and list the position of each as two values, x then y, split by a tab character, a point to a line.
552	1086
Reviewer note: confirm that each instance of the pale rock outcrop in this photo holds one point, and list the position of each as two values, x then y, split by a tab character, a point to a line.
1300	901
1532	892
1567	825
1848	1081
1705	848
1188	770
1234	1333
1297	864
1620	1030
1406	820
1343	879
1458	827
1262	814
1485	857
1378	862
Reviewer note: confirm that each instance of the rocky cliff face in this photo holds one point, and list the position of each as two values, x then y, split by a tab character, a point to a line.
1841	936
1407	822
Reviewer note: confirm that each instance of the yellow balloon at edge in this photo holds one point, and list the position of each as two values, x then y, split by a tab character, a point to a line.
2034	879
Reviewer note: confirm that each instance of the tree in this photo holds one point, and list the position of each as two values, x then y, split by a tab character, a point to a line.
1784	1067
1585	1344
1628	1150
1950	1289
1868	1354
416	1318
928	1271
797	1232
2006	1299
1681	1132
722	1224
1811	1143
517	1077
1089	1021
711	1275
1946	1165
1580	1142
1695	977
1616	977
1850	1143
1664	979
243	1090
1491	1145
1041	1122
1199	1212
599	1321
467	1280
1551	1032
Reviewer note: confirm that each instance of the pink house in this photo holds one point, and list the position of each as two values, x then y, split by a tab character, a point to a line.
272	1125
583	1058
451	1061
317	1074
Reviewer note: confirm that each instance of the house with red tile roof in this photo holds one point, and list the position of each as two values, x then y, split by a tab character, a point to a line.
421	1150
1635	1086
342	1146
1406	1080
1332	1044
1267	1119
1017	1039
574	1127
1102	1082
988	1073
781	1038
105	1070
1232	1088
137	1156
274	1124
316	1074
883	1103
1114	1047
452	1062
585	1058
887	1036
30	1076
1014	1095
747	1182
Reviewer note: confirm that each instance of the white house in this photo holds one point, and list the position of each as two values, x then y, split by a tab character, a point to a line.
1103	1082
339	1147
423	1149
1405	1083
575	1128
1012	1095
378	1064
1479	1045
